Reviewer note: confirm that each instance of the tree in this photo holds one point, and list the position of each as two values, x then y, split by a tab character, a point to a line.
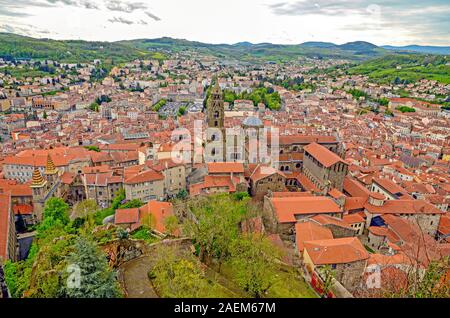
177	276
117	201
181	111
216	224
57	209
96	279
171	224
93	148
94	107
44	116
328	276
83	208
135	203
253	259
149	221
183	194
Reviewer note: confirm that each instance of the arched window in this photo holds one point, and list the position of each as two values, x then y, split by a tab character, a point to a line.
216	114
282	168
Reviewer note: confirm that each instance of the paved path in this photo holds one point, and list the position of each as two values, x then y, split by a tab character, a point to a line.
135	278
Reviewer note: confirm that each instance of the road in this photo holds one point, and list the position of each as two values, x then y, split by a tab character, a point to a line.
135	278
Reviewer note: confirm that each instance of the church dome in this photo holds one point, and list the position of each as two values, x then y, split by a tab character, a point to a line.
252	122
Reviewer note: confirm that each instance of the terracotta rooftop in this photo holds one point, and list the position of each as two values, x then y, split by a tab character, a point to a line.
310	231
225	167
287	208
336	251
323	155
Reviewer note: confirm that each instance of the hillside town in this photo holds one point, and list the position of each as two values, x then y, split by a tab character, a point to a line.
357	183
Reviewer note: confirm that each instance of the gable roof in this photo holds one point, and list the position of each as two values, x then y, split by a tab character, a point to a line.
336	251
310	231
287	208
328	220
225	167
323	155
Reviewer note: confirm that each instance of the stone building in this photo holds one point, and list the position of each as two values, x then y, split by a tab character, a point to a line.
144	185
263	179
101	186
324	168
215	121
420	212
346	256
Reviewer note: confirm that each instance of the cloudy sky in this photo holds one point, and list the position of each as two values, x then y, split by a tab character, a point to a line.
400	22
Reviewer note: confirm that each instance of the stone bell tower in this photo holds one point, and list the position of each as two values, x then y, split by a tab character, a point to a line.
215	121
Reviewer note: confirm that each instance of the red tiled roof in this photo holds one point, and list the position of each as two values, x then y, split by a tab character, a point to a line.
326	220
354	188
160	211
126	216
403	207
353	218
145	176
23	209
336	251
263	171
310	231
323	155
287	208
225	167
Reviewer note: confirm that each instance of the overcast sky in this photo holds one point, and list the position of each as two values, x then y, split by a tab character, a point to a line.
425	22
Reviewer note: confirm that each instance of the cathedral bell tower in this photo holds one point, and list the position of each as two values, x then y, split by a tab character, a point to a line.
38	188
51	173
215	120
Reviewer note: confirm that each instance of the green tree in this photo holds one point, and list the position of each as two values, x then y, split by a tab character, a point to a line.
83	208
171	224
253	259
57	209
135	203
181	111
96	278
94	107
178	276
216	224
328	277
183	194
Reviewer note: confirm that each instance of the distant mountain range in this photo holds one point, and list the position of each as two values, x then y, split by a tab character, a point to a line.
17	46
444	50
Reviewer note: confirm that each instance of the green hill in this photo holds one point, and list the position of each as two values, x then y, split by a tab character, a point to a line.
407	68
72	51
246	51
